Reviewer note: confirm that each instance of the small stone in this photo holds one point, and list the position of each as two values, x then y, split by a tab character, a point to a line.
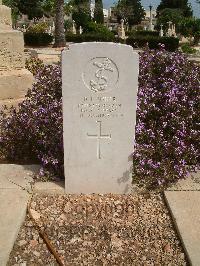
167	248
23	263
33	243
67	208
22	243
37	254
40	240
35	214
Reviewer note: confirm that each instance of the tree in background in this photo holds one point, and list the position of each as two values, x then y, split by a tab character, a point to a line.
98	12
131	11
190	27
80	12
33	8
169	14
182	5
59	24
48	8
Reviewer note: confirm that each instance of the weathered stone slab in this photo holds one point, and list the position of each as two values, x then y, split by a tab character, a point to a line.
14	79
15	83
15	182
11	50
100	83
184	207
13	176
13	212
5	17
190	183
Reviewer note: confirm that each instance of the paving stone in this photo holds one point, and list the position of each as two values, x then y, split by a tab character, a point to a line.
184	207
13	176
50	187
13	203
191	183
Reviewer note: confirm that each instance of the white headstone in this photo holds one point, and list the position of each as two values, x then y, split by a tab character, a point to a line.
161	33
121	30
73	27
100	82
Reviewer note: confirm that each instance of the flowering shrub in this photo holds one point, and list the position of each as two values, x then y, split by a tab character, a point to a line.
34	131
167	138
167	118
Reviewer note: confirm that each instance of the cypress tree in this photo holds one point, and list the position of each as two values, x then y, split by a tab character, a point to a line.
98	12
81	12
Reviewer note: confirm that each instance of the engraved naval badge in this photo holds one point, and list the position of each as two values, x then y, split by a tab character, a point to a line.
101	74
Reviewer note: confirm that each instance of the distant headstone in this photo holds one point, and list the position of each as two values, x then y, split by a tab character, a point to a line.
121	30
169	31
100	82
80	30
73	27
161	33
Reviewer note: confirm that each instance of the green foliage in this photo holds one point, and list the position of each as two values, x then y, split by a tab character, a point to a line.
98	12
190	27
48	7
37	39
153	42
41	27
34	65
90	37
68	25
96	28
144	33
31	8
130	10
81	12
187	49
169	14
183	5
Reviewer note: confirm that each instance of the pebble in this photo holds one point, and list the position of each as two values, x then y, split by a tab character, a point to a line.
22	243
36	253
135	237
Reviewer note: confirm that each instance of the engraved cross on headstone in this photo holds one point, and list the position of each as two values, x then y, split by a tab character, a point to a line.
99	136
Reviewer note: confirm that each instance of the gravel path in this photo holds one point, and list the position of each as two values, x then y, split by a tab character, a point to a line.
100	230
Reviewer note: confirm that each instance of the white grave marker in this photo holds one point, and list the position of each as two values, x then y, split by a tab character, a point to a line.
100	83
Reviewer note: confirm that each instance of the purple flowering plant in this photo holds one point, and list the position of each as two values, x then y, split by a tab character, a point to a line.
167	136
33	131
167	142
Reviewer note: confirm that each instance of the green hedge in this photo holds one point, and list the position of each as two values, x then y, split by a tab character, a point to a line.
171	43
142	33
90	37
37	39
146	33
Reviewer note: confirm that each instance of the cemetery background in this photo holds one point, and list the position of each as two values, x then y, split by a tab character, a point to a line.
54	105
